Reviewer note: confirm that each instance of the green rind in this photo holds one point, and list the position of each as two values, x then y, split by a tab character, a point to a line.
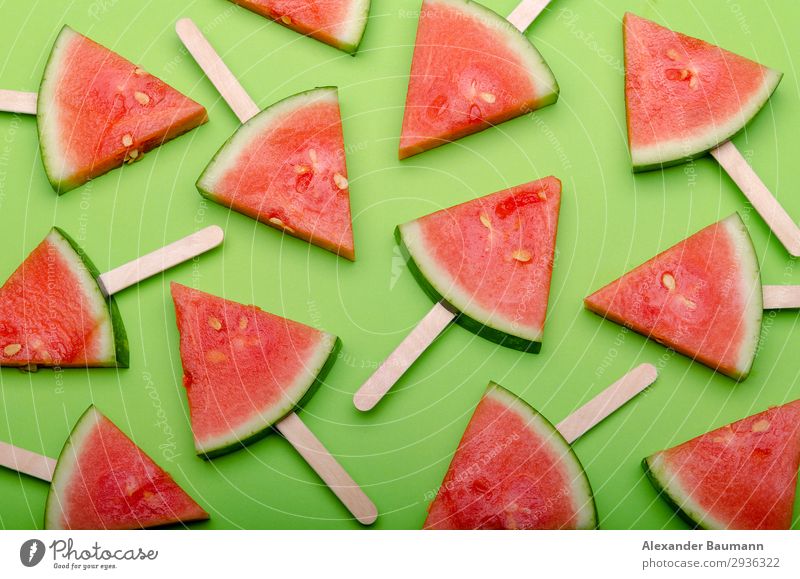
482	329
558	437
266	428
121	346
672	501
205	188
60	187
52	500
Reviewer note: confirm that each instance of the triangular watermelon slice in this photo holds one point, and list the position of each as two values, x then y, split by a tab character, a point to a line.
471	69
740	476
491	259
103	480
244	368
340	23
53	313
701	297
512	470
97	110
685	96
286	167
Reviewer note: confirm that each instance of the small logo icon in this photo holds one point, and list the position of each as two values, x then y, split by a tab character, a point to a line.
32	552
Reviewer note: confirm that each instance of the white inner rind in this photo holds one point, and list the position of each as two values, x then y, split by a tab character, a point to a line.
516	42
583	503
352	29
457	296
679	495
292	394
749	288
254	130
104	347
66	466
679	148
57	166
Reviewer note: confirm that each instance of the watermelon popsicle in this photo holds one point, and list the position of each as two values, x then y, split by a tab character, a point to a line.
245	373
96	111
514	470
285	166
471	70
685	97
57	310
702	298
487	264
740	476
102	480
340	23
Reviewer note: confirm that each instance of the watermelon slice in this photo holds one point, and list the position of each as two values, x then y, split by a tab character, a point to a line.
701	297
244	369
491	259
340	23
740	476
685	96
103	480
53	313
97	110
286	168
471	69
512	470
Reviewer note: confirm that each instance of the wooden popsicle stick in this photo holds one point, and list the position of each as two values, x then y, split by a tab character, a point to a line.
526	12
219	74
411	348
27	462
160	260
781	297
737	167
328	468
14	101
608	401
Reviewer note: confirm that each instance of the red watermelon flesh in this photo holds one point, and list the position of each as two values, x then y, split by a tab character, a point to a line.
685	96
492	259
286	167
702	298
512	470
471	69
104	481
339	23
97	110
244	368
52	312
740	476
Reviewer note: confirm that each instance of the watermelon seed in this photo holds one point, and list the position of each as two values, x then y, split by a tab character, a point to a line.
11	349
300	169
141	98
542	195
522	255
668	281
139	71
242	323
488	97
286	20
438	107
693	82
760	426
127	140
215	323
279	223
132	155
340	180
474	113
486	221
672	54
216	356
312	153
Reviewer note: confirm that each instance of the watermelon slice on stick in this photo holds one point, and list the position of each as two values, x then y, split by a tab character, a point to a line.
245	372
102	480
686	97
514	470
57	310
487	264
96	111
340	23
471	69
285	166
702	297
740	476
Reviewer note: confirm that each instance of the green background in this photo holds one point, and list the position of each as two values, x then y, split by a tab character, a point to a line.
610	221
